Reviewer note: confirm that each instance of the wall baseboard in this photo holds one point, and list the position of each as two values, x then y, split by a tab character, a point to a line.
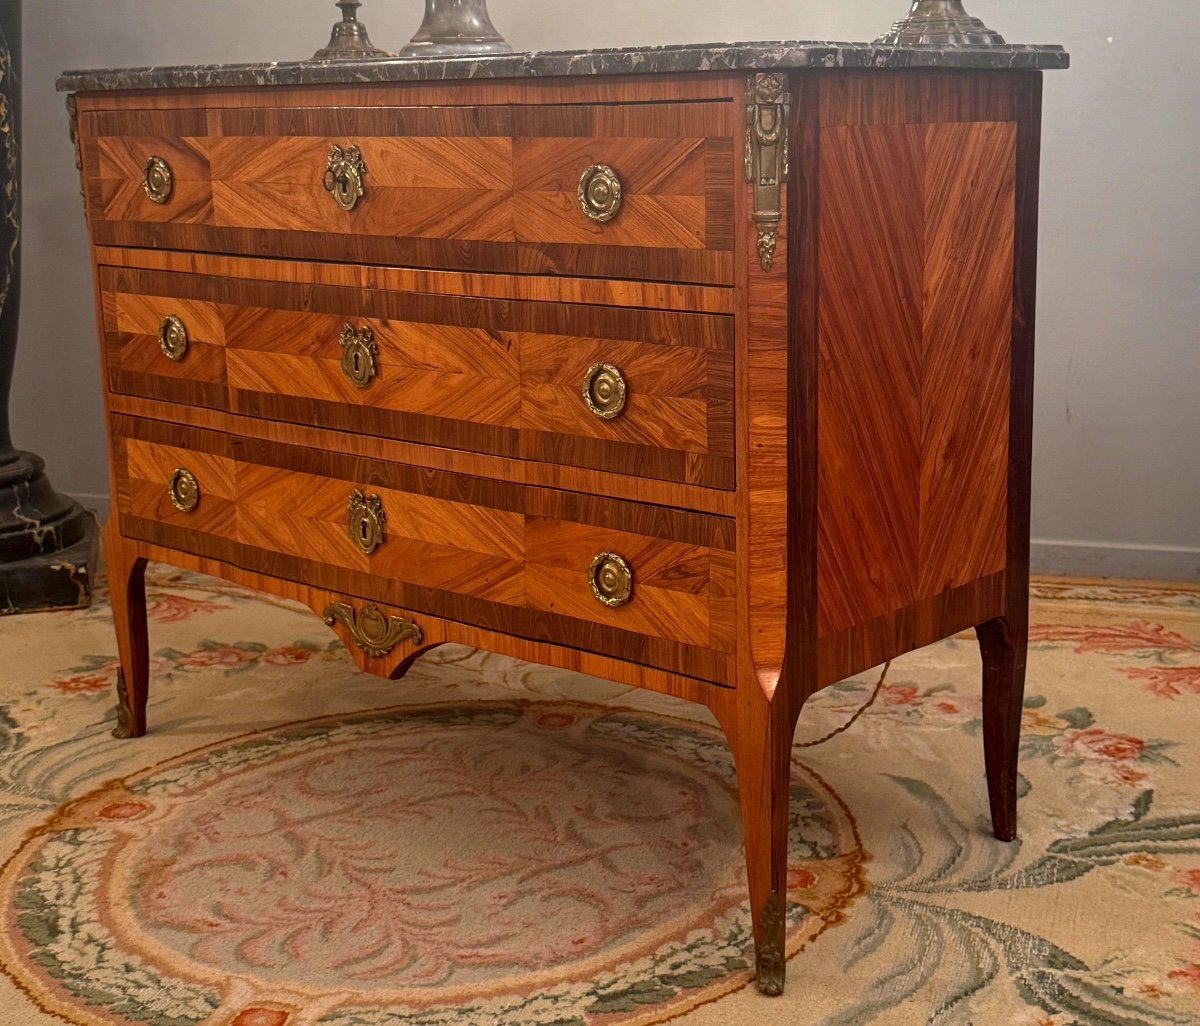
1141	562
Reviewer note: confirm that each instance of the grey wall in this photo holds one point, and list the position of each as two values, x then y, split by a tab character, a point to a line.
1116	476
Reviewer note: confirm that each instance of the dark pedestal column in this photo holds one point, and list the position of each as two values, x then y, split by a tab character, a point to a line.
47	541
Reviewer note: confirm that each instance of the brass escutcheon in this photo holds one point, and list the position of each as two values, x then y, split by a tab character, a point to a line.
173	338
157	179
183	490
344	174
373	632
600	193
610	579
604	390
365	521
358	354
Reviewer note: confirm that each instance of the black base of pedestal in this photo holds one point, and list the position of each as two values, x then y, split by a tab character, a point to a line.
53	580
48	542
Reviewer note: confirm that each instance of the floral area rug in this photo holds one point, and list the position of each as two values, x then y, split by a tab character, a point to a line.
489	842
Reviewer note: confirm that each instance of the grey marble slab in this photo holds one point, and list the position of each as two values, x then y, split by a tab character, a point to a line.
641	60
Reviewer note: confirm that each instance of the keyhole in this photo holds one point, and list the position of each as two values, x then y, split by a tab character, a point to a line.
362	531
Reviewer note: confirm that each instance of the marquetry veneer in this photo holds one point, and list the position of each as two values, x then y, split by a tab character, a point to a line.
502	178
822	460
488	375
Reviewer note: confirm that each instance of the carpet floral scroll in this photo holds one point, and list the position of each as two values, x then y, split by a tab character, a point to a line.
297	844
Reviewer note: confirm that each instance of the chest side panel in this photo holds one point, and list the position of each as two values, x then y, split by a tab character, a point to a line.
917	224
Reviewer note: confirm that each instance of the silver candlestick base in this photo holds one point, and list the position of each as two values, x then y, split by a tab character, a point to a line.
349	40
940	23
455	28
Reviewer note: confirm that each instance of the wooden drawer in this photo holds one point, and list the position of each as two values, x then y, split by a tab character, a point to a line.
487	187
443	172
673	162
495	376
505	557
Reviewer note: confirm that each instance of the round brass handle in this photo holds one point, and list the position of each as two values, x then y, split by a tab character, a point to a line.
365	521
183	490
359	353
344	176
157	179
604	391
610	580
173	338
600	193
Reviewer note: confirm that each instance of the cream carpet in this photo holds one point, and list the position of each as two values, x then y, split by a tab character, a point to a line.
489	842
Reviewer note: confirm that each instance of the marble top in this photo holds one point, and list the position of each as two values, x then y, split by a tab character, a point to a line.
542	64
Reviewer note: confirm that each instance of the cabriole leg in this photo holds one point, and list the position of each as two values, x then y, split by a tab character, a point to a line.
127	590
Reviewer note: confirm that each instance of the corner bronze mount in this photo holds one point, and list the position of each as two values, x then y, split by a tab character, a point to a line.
766	157
73	128
772	958
373	632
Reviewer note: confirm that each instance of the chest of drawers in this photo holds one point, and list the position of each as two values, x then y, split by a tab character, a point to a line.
711	382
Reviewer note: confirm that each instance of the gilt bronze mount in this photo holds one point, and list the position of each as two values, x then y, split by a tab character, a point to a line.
767	109
771	958
600	193
157	180
344	177
371	629
604	391
173	338
183	490
365	521
359	354
610	580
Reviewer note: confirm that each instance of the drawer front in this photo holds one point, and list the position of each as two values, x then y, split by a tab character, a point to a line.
435	173
661	177
439	173
490	187
640	392
116	161
501	556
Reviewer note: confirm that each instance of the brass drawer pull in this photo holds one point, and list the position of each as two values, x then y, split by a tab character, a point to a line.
365	521
373	632
359	353
157	179
173	338
344	174
604	391
610	580
600	193
183	490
